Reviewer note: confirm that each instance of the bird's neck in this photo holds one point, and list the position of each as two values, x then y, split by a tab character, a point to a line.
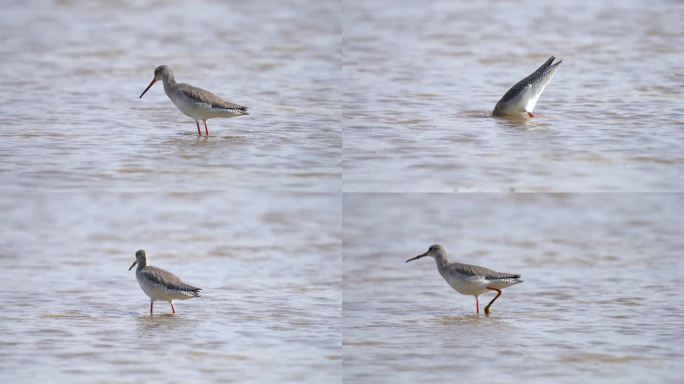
169	79
441	261
169	84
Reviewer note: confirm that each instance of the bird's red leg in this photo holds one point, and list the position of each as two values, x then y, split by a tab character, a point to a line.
477	304
151	304
205	128
487	310
530	114
198	130
173	309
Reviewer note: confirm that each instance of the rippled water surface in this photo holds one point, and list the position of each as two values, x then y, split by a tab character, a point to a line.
345	99
422	77
72	72
72	312
598	304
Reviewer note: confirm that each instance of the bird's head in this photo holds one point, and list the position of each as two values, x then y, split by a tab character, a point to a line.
162	72
435	251
140	259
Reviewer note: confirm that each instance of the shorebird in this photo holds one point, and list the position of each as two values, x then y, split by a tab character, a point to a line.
470	279
195	102
159	284
523	96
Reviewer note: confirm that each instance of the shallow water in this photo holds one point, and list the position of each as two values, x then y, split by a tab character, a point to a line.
72	312
421	79
89	173
372	96
72	73
598	303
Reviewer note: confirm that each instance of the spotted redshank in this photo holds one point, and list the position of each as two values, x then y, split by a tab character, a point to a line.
195	102
470	279
524	95
159	284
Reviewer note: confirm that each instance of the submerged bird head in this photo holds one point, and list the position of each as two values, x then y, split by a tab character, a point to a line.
436	251
162	73
140	259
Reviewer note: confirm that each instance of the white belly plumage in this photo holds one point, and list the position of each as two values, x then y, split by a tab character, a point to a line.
476	285
201	111
156	291
467	285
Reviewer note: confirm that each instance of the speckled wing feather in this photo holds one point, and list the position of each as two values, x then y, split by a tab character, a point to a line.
203	96
474	270
168	279
531	79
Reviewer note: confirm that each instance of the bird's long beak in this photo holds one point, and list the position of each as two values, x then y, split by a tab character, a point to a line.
418	257
135	262
148	87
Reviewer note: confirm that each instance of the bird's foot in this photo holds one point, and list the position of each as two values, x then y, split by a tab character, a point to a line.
530	114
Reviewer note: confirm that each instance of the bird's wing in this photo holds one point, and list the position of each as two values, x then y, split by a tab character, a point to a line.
203	96
167	279
540	74
475	270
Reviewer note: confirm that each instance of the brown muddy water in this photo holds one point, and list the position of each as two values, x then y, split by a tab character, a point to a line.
296	220
72	312
422	78
599	301
73	71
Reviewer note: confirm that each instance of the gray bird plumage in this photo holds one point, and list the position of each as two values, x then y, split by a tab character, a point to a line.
470	279
523	96
195	102
168	280
159	284
200	95
475	270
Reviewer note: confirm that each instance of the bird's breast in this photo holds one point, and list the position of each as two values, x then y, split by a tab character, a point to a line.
464	284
